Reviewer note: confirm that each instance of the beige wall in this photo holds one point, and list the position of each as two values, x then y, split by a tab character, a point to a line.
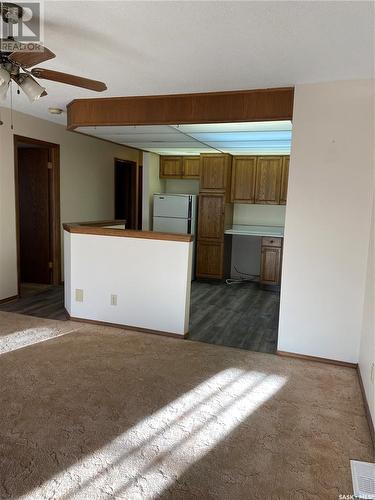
328	220
367	350
86	182
259	215
151	184
182	186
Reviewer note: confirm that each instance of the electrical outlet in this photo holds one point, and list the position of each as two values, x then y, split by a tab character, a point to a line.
79	295
113	300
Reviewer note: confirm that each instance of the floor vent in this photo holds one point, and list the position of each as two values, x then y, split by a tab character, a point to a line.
363	476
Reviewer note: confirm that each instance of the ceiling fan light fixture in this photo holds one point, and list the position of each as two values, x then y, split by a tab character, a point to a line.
55	111
4	83
4	76
3	90
31	87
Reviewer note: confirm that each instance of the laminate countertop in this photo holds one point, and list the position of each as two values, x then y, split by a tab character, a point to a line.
244	230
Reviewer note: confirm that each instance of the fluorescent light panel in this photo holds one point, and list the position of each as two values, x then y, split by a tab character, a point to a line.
243	136
181	152
272	137
236	127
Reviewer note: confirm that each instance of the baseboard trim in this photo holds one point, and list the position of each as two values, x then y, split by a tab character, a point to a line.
9	299
367	407
127	327
316	358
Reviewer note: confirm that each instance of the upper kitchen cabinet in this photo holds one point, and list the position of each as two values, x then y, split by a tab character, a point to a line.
171	167
243	179
180	167
215	172
284	180
268	180
191	167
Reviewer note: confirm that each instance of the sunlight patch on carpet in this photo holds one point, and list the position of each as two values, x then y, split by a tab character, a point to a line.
151	456
29	336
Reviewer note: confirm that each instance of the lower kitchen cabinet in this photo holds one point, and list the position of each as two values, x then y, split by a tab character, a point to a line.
270	265
213	258
209	259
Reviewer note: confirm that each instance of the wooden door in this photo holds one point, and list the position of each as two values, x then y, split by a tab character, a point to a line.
126	192
191	167
34	207
284	180
243	179
140	196
270	265
211	216
171	167
268	180
215	172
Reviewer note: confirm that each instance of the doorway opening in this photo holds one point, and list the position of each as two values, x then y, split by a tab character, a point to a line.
128	193
37	184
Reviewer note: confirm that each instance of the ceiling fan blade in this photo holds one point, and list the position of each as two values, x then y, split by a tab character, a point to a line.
28	59
77	81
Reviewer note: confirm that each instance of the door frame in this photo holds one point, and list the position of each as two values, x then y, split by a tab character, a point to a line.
132	164
54	190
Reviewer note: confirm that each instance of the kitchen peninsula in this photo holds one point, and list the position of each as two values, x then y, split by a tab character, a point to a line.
134	279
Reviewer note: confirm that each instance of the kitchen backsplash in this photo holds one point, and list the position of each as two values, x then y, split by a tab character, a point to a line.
259	215
180	186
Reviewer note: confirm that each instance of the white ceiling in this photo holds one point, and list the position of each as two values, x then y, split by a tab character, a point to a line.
158	47
235	138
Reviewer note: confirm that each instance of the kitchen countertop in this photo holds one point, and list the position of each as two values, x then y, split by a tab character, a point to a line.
110	228
238	229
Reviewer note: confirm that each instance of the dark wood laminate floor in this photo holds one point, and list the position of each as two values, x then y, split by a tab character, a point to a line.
242	316
42	302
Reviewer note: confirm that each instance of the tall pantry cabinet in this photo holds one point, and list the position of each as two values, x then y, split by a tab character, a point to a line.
215	215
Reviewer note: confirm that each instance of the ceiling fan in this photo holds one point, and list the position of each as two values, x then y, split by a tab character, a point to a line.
18	65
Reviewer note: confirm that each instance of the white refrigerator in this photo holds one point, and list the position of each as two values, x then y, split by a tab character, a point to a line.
175	213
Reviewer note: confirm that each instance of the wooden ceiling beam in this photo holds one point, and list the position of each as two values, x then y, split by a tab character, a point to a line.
175	109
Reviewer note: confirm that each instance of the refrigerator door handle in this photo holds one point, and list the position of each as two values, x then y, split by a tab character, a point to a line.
190	207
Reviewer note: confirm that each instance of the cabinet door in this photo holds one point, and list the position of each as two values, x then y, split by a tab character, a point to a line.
211	216
215	171
210	258
191	167
171	167
270	266
243	179
268	180
284	180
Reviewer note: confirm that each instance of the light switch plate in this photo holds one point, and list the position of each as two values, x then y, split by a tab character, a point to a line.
113	300
79	295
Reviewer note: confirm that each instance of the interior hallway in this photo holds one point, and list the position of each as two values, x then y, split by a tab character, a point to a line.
95	412
42	301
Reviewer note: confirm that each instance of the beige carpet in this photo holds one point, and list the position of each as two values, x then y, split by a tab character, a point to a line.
98	413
